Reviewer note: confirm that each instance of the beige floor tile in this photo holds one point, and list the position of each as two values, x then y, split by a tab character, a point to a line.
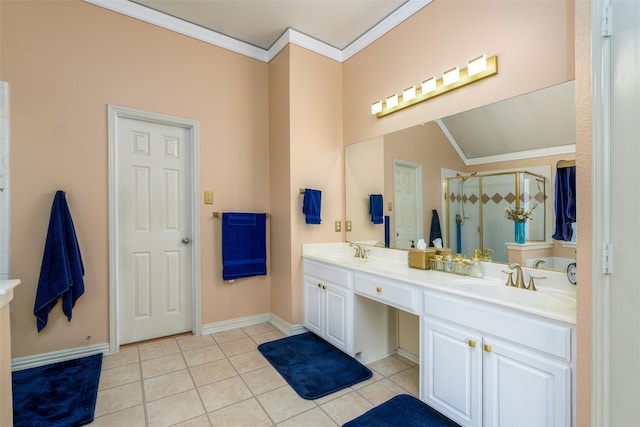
405	360
200	356
315	417
174	409
333	396
162	365
283	403
267	337
224	393
132	417
212	372
258	329
231	335
118	398
158	349
119	375
409	379
381	391
263	380
249	361
192	342
242	414
240	346
374	378
388	366
201	421
347	407
123	357
167	384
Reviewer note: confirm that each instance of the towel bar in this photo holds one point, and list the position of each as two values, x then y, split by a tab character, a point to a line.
218	215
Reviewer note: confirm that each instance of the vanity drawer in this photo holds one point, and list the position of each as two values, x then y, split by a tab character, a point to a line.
394	294
543	335
325	272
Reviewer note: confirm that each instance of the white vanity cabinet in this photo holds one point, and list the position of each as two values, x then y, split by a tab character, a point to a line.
485	365
328	303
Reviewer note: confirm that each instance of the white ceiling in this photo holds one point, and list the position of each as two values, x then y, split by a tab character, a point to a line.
261	22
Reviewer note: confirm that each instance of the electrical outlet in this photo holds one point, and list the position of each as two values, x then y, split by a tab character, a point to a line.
338	226
208	197
390	206
347	225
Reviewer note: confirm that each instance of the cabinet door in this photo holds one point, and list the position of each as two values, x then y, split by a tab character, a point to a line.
336	304
523	388
313	305
451	369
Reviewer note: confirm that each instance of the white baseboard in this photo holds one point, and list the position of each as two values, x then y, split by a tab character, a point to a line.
407	355
242	322
26	362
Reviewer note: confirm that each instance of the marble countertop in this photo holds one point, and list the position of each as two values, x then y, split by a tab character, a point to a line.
554	299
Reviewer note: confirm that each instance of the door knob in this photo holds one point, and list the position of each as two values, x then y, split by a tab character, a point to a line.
186	240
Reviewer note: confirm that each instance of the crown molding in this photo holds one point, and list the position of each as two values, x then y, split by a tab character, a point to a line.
171	23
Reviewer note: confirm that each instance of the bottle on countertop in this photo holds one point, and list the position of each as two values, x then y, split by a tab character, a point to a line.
476	265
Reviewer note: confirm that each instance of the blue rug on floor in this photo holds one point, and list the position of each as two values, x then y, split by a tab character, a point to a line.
312	366
60	394
402	411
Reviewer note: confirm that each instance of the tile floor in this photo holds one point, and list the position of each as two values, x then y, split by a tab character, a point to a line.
223	380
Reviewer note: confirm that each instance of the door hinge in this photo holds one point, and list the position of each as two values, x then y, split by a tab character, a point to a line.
605	21
606	258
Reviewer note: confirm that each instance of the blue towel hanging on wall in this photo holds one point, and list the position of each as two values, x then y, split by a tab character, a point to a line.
62	271
565	203
311	205
244	245
375	208
435	231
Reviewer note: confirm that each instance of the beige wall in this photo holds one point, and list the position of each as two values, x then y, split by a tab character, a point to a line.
65	61
6	403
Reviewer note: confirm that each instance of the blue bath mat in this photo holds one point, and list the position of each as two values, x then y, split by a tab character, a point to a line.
60	394
312	366
402	411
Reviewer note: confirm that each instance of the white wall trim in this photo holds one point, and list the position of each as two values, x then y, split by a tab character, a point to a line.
114	113
171	23
243	322
26	362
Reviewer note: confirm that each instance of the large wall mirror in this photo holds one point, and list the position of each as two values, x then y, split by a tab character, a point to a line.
492	155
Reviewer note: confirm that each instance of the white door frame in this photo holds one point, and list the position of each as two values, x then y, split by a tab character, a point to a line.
114	113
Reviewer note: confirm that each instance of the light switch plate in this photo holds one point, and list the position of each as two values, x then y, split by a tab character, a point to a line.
208	197
338	226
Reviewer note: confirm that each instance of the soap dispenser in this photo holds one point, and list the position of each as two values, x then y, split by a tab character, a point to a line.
476	265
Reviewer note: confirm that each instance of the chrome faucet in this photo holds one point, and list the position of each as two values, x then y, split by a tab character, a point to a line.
360	251
519	276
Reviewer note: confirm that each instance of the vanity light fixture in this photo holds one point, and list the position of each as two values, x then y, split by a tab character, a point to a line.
409	93
392	101
428	85
451	76
376	107
477	65
477	69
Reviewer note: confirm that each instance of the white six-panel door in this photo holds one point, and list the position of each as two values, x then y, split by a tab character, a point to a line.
154	230
407	193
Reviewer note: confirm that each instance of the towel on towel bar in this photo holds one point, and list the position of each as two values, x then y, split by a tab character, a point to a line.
62	271
311	205
244	245
375	208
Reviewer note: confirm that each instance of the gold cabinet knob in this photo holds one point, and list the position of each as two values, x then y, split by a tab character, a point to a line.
472	344
378	289
320	285
487	348
324	287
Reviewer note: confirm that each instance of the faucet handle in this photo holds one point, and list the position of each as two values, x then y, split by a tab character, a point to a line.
510	278
532	286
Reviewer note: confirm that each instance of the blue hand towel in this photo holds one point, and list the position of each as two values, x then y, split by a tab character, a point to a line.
244	245
311	205
435	231
565	203
62	271
375	208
